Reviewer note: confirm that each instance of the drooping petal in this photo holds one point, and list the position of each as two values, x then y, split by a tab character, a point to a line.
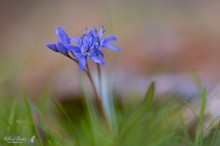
74	49
109	39
111	47
97	59
52	46
62	35
62	49
82	62
99	52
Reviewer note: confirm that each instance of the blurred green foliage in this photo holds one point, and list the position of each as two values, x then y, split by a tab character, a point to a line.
150	123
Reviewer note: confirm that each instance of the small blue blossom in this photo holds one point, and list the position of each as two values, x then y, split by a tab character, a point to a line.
63	46
104	42
88	45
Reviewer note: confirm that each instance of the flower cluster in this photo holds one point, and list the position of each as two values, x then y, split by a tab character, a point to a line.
87	45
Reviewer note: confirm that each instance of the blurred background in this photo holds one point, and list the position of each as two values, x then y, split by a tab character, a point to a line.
168	41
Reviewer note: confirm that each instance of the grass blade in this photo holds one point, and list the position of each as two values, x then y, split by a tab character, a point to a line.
199	129
31	119
12	115
62	111
136	116
149	96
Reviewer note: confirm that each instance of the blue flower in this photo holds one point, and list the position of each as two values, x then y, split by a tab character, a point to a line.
87	43
90	43
63	46
104	42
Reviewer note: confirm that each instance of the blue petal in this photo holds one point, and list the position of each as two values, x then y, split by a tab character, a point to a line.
86	30
109	39
91	42
95	29
111	47
76	40
77	56
94	32
62	35
62	49
82	62
86	41
74	49
102	31
52	46
89	32
97	59
99	52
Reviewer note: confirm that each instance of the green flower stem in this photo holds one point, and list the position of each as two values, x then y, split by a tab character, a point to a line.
99	78
98	100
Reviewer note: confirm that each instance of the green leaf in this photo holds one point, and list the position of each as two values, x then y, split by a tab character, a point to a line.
149	96
199	129
12	115
72	128
31	119
135	117
215	133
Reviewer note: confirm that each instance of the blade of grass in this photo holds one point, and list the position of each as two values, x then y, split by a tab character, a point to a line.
55	136
12	115
185	130
197	80
5	120
48	133
213	122
136	116
44	102
31	119
199	129
215	133
62	111
149	96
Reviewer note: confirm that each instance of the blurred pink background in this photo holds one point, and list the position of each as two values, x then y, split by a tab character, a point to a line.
162	40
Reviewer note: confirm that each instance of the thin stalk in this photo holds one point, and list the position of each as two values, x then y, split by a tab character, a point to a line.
98	99
199	129
99	78
70	57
